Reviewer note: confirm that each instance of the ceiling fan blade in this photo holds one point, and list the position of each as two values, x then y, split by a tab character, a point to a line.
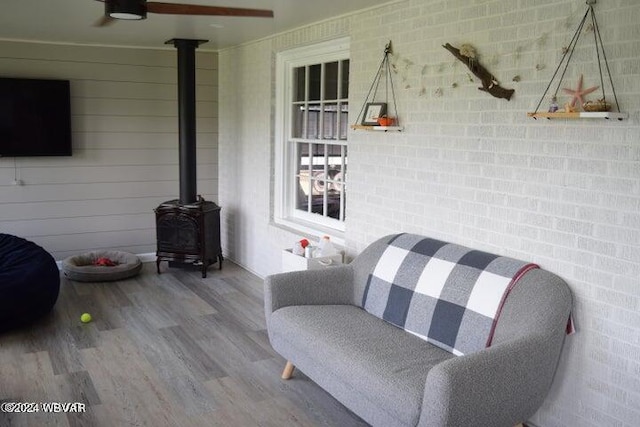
104	21
194	9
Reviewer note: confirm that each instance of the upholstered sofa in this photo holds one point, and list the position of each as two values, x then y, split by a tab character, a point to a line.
416	331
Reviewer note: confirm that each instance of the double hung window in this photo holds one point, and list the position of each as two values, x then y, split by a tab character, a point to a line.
311	135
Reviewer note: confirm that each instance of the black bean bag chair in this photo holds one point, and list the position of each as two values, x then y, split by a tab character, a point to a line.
29	282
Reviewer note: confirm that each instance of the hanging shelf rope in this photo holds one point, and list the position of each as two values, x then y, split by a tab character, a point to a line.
598	109
377	115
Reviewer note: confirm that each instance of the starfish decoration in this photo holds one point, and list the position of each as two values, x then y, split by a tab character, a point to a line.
578	93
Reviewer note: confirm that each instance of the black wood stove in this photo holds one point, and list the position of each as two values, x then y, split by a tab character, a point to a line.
188	228
188	234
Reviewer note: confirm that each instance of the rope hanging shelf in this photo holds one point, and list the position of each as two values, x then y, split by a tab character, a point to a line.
374	115
592	110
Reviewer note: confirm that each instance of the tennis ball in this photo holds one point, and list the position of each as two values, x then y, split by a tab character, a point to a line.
85	318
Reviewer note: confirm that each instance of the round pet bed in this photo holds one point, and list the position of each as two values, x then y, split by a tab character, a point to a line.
83	268
29	282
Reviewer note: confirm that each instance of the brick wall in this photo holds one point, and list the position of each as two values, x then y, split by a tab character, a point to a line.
475	170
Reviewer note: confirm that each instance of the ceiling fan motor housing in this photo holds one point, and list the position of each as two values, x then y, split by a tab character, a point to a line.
125	9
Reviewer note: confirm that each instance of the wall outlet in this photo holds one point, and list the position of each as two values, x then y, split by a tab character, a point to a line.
18	182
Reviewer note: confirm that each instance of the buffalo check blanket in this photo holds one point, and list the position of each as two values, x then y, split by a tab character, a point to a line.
445	293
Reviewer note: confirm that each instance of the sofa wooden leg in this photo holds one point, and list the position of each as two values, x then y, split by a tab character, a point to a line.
288	371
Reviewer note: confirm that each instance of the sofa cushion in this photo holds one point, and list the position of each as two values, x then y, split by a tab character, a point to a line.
385	367
445	293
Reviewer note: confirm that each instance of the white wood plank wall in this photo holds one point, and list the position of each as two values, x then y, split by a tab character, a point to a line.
125	147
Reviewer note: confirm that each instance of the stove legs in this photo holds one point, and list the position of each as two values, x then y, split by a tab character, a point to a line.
203	266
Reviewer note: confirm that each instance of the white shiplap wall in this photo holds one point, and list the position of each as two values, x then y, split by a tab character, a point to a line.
125	147
474	169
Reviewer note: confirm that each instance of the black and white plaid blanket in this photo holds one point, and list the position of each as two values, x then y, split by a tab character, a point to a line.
445	293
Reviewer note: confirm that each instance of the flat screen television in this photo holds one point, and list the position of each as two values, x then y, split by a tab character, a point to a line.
35	117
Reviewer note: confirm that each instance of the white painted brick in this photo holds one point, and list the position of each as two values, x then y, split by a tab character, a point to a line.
621	407
596	246
630	286
558	208
626	350
574	227
631	220
609	233
597	215
522	202
546	162
629	253
499	171
557	238
536	219
579	196
474	169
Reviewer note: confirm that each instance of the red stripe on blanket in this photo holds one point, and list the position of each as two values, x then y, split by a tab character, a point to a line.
513	282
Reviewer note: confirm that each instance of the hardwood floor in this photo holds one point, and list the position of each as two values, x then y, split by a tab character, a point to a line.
162	350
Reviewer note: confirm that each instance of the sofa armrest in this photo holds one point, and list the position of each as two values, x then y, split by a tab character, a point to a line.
502	385
310	287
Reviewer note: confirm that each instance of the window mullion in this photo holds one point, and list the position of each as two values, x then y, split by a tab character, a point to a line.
305	123
339	102
294	195
322	100
342	187
307	90
310	180
325	186
291	149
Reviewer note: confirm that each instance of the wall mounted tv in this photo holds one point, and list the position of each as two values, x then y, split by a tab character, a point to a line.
35	117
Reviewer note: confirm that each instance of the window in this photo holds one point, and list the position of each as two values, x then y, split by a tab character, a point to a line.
311	136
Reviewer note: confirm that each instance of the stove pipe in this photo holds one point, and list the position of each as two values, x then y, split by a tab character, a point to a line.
187	116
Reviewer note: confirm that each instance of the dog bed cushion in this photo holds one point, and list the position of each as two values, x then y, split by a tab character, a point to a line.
83	268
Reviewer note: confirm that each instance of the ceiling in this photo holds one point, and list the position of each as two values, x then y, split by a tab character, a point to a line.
71	21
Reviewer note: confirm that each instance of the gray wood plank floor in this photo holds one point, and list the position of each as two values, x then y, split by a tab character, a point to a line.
163	350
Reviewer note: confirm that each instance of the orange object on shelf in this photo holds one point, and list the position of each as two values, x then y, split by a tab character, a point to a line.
386	121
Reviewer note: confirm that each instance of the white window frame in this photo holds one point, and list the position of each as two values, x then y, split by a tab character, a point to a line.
284	187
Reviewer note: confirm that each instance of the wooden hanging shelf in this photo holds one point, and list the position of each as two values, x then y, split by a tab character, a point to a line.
580	115
378	128
579	92
372	111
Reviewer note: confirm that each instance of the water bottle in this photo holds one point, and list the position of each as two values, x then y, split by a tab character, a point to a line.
297	249
326	248
308	251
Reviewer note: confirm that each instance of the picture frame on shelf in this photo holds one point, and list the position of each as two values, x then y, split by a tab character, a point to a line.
372	112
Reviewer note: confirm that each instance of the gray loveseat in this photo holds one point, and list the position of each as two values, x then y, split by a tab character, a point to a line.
359	331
